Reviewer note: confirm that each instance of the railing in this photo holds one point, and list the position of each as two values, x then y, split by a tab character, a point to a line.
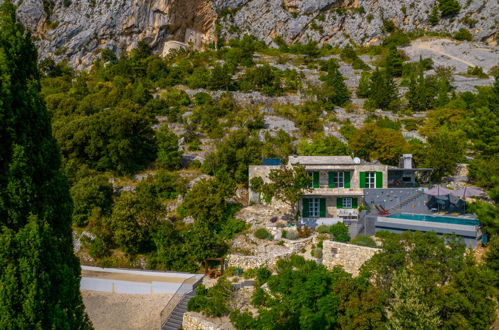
177	297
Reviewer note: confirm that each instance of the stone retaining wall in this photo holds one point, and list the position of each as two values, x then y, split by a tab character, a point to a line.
268	259
246	262
193	321
350	257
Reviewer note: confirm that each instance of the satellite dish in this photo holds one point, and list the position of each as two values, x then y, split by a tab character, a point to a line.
356	160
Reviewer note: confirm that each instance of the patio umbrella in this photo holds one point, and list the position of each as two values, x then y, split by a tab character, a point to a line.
468	192
439	191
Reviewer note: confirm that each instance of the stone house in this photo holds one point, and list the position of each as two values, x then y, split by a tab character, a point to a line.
338	185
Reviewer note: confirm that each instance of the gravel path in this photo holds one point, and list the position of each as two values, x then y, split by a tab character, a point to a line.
109	311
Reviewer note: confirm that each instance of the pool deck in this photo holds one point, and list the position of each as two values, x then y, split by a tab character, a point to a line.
471	231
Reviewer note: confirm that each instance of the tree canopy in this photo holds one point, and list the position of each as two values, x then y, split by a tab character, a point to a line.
40	277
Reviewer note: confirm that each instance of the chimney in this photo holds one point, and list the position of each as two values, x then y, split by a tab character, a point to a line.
407	161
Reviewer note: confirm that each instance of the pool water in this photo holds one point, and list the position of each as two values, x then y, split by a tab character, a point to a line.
433	218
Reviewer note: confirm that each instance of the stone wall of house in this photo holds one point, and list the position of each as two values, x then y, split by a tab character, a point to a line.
261	171
194	321
350	257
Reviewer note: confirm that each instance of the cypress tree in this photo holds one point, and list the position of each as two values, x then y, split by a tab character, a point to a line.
39	274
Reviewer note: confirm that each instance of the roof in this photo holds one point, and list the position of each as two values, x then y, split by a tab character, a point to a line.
321	160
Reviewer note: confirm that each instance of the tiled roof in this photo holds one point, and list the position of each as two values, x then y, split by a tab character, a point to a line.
321	160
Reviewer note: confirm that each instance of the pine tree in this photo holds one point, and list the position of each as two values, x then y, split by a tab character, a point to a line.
334	79
383	91
393	63
363	88
39	274
407	309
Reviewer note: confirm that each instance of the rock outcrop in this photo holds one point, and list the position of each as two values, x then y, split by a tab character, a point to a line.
337	22
75	30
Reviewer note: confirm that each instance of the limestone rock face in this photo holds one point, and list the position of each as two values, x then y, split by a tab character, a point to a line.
337	22
75	30
78	31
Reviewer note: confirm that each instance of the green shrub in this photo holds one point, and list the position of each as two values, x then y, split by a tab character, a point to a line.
262	233
449	7
384	234
476	71
98	249
435	16
292	235
250	273
363	240
339	232
262	275
317	252
213	301
323	229
463	34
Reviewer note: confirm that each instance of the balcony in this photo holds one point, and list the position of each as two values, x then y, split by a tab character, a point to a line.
342	192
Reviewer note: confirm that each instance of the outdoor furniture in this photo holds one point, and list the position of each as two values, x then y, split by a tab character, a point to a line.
214	273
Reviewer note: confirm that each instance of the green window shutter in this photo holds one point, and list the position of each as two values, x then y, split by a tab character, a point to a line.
362	180
347	179
322	210
339	202
305	208
332	177
316	180
310	174
379	179
354	203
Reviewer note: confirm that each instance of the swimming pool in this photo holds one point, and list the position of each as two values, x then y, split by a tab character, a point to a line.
434	218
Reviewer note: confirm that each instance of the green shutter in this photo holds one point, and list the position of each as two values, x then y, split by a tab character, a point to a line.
322	210
310	174
354	203
305	208
347	179
362	180
316	180
379	179
339	202
332	177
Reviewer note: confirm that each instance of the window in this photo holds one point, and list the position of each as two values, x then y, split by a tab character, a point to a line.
339	181
314	207
347	202
370	179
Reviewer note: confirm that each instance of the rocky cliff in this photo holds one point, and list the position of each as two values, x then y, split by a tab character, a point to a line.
77	29
343	21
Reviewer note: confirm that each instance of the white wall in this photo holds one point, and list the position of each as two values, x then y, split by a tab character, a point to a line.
136	287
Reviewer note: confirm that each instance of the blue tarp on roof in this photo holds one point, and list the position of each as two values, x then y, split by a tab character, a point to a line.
271	161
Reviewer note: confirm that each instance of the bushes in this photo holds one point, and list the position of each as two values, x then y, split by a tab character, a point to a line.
463	34
476	71
316	252
262	78
262	233
292	234
339	232
323	229
213	301
363	240
449	7
92	196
